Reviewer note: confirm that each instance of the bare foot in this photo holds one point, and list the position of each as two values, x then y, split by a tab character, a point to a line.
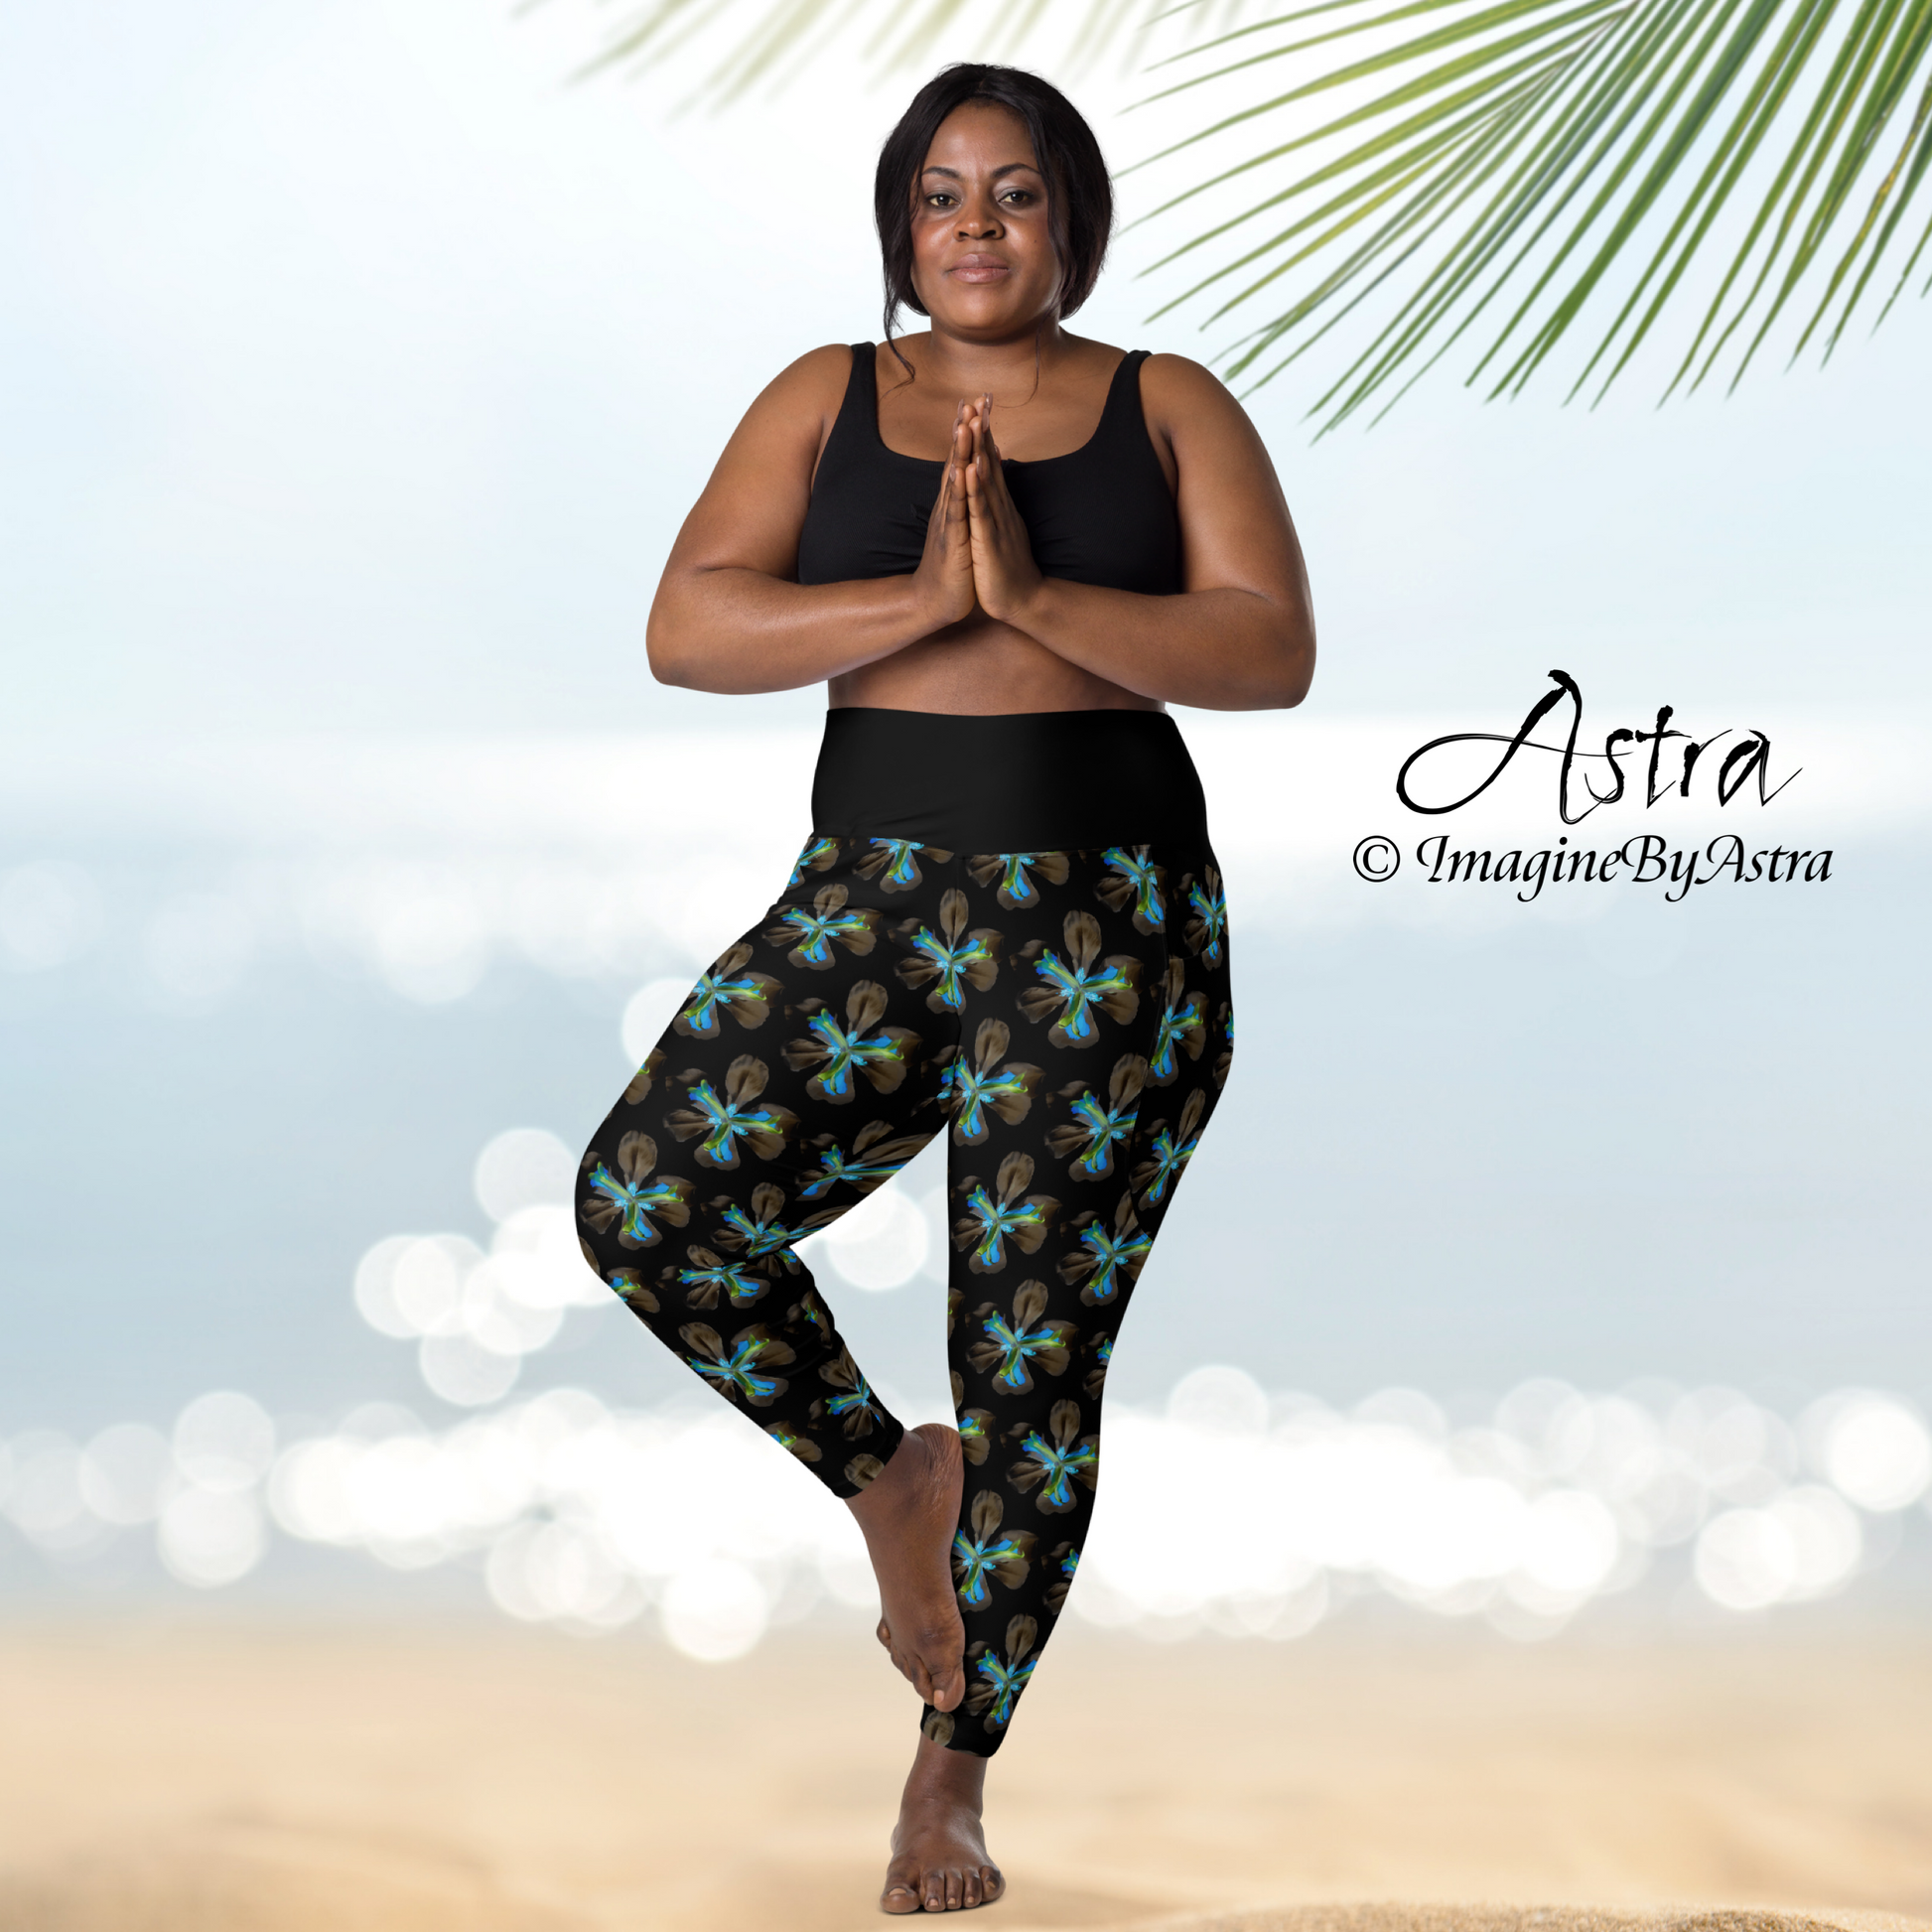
939	1861
908	1515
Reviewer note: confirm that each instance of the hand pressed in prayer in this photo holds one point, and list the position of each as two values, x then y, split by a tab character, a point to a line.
946	564
1004	572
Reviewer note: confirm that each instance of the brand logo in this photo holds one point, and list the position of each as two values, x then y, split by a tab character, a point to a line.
1745	762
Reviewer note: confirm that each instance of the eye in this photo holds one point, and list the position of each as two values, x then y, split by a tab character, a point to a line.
940	199
1019	197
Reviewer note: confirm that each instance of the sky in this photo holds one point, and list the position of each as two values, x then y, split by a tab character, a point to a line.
357	367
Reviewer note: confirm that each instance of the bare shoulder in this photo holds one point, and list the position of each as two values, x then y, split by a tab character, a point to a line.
786	427
810	389
1179	393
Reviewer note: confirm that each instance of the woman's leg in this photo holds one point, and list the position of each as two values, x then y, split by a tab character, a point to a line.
1098	1066
795	1079
800	1073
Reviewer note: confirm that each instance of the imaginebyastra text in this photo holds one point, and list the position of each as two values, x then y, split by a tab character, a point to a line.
1748	759
1652	862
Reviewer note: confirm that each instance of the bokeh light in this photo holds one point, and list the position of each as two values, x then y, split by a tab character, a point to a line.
224	1443
50	913
590	1518
475	1316
647	1015
463	1371
527	1166
125	1472
880	1244
45	1500
212	1537
1873	1447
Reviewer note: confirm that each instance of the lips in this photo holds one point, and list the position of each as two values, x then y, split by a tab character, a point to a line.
980	268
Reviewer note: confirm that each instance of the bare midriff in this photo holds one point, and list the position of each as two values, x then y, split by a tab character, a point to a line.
976	668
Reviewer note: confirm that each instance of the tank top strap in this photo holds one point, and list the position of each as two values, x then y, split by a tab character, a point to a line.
861	402
851	448
1121	415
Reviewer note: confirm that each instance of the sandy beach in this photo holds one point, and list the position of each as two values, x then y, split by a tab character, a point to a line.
158	1777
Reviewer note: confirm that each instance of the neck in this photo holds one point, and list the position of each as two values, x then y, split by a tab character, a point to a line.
1008	367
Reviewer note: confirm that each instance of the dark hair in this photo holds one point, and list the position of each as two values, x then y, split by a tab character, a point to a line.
1079	193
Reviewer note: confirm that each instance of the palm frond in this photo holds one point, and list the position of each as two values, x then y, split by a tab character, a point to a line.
765	45
1516	163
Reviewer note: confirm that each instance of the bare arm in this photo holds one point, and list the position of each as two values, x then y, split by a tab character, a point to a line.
1241	634
729	617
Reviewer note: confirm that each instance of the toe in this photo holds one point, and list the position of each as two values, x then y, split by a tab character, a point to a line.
915	1674
901	1894
992	1882
884	1633
969	1889
955	1891
948	1687
936	1892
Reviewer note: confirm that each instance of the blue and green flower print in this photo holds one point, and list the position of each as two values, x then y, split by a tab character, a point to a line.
986	1554
1060	1024
727	990
813	936
844	1048
1098	1125
1012	1344
1054	1459
1017	877
951	962
720	1119
1134	881
621	1197
1004	1219
977	1091
997	1676
1080	988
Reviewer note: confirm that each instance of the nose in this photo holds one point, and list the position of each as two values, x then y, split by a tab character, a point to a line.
978	222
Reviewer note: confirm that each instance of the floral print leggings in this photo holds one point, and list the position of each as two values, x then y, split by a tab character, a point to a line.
1064	1019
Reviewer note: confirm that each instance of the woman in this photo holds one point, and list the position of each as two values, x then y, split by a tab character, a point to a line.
1004	548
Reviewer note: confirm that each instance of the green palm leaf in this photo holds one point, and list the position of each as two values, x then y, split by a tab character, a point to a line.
1521	161
765	44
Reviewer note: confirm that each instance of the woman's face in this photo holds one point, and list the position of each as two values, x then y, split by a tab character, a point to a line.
983	256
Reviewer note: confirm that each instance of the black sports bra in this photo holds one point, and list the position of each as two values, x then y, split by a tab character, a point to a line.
1100	514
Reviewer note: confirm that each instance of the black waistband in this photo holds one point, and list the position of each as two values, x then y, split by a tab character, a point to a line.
1015	782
